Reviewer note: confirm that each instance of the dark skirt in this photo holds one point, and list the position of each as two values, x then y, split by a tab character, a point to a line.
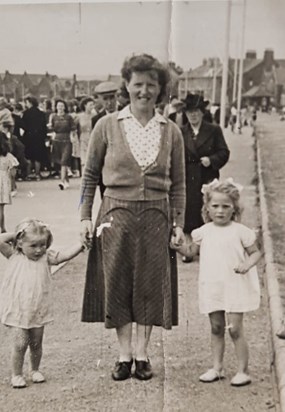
35	148
131	273
61	152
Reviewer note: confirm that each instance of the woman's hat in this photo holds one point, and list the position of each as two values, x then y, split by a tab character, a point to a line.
195	101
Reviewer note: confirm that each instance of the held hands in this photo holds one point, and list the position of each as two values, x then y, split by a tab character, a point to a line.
206	162
178	241
86	233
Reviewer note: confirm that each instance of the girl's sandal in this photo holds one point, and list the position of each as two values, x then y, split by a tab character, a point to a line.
37	377
212	375
241	379
18	382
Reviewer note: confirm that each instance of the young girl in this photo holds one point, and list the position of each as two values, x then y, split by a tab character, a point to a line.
7	164
228	280
25	296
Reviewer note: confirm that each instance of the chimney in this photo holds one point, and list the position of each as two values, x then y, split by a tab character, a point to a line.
250	54
268	59
74	78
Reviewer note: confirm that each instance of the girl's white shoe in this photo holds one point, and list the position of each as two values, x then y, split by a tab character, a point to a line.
37	377
241	379
212	375
18	382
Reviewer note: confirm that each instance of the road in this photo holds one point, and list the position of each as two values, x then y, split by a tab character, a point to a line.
78	357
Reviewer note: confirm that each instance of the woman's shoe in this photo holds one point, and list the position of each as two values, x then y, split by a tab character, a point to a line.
61	186
18	382
37	377
143	370
186	259
212	375
122	370
241	379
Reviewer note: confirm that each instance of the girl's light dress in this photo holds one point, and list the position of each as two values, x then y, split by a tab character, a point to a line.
6	164
26	300
222	248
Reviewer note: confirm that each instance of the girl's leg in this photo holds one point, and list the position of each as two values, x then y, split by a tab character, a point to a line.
217	320
63	173
124	334
237	334
143	336
37	169
35	343
21	342
2	218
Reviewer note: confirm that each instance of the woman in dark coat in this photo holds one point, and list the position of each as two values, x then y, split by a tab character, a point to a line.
206	152
34	125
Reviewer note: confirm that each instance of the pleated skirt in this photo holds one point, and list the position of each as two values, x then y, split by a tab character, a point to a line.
131	272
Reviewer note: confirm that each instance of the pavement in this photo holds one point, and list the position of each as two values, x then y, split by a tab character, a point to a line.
78	357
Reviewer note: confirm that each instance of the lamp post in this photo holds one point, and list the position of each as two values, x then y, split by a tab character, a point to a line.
238	125
225	66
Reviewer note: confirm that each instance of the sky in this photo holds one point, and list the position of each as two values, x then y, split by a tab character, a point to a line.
93	38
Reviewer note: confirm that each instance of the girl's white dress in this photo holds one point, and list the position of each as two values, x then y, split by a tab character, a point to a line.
25	297
6	164
222	248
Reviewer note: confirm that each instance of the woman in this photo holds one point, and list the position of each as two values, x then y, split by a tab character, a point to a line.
205	153
35	134
63	126
85	126
141	157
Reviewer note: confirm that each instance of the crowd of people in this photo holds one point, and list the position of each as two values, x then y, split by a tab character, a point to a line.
157	167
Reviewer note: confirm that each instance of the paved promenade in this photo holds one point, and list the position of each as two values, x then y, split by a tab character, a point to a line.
78	357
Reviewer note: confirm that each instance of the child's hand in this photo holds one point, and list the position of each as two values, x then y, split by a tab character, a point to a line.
242	268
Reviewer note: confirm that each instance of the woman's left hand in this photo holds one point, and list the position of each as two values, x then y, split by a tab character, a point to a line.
178	237
206	162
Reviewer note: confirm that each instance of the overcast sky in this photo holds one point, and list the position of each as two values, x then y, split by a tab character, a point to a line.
94	38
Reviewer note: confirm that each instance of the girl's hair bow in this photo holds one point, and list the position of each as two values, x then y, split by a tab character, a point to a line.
206	188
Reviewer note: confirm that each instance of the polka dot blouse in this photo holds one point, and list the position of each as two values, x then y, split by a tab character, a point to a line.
144	141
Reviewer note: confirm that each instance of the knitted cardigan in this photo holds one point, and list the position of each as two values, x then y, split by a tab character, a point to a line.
109	154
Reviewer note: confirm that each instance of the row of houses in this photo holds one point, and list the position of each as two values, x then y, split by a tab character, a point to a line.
47	86
263	80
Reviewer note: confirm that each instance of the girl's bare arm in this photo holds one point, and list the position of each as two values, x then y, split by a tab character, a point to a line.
6	244
251	260
70	253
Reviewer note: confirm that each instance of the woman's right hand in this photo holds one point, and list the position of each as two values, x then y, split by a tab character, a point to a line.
86	232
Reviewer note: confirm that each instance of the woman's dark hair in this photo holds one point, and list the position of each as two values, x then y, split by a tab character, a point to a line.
146	63
4	145
48	104
61	101
84	102
19	107
32	100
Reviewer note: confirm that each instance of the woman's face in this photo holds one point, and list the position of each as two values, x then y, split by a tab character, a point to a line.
144	90
194	116
89	107
60	107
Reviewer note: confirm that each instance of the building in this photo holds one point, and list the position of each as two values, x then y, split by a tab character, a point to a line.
263	79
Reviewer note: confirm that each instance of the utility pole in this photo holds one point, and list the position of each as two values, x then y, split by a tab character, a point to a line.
225	66
235	75
214	81
238	125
